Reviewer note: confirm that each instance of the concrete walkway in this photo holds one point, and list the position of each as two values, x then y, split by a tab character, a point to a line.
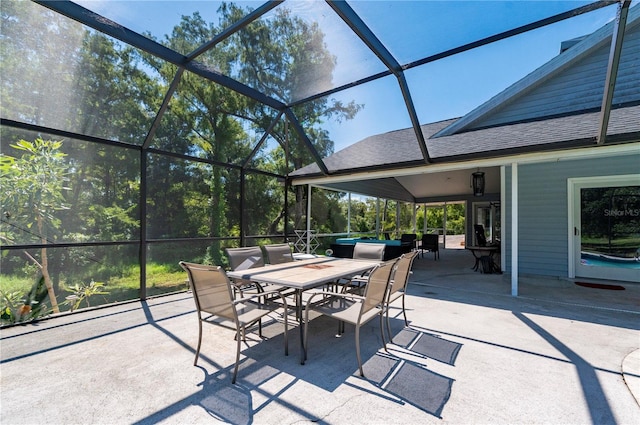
473	354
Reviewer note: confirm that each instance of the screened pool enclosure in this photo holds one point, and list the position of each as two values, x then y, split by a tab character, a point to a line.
138	134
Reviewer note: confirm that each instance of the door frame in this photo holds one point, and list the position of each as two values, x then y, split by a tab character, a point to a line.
494	214
574	230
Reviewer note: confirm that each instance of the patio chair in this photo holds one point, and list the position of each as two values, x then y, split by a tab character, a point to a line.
398	285
278	253
481	239
351	308
245	258
214	296
242	259
430	242
408	241
368	251
362	251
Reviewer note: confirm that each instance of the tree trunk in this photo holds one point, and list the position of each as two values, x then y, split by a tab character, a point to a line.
273	227
45	269
47	281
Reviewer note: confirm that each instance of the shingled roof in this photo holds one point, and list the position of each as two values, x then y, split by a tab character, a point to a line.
399	148
457	139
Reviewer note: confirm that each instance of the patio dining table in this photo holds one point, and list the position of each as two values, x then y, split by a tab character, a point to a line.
303	275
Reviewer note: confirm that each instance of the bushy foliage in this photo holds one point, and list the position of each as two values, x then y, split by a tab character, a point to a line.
17	307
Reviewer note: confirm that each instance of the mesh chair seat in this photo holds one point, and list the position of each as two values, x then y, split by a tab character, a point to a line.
353	309
213	294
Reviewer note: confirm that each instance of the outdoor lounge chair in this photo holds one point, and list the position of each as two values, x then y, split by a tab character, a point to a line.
354	309
430	242
278	253
398	285
213	294
248	258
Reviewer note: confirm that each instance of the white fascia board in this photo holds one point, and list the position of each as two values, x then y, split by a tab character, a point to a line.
532	158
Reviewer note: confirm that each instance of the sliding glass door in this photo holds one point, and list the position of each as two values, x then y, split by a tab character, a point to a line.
606	227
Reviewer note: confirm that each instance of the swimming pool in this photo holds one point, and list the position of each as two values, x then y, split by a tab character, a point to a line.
601	260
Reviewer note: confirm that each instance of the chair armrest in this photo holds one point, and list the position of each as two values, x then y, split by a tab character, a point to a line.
335	294
261	295
360	277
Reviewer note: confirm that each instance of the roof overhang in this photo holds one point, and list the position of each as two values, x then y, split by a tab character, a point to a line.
451	180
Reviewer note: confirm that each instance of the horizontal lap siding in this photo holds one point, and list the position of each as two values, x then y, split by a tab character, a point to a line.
577	88
543	216
543	213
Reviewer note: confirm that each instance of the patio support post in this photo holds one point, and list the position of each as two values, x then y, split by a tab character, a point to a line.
424	222
349	216
287	184
309	219
503	214
414	208
617	38
514	229
377	216
444	224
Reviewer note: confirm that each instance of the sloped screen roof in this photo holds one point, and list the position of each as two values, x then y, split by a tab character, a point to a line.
297	76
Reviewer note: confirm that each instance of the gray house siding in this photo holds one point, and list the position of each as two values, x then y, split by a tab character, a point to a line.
543	213
577	88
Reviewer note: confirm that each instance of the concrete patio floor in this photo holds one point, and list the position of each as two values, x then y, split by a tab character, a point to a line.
558	353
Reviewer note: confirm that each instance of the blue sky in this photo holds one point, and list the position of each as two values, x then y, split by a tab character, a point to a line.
410	30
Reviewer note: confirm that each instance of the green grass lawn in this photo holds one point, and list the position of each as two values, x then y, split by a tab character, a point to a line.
160	279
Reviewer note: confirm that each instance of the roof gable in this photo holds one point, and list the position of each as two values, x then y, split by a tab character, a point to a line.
571	82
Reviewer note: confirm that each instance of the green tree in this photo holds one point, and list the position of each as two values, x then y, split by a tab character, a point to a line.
222	126
37	76
456	219
198	123
34	186
81	81
286	58
327	212
362	220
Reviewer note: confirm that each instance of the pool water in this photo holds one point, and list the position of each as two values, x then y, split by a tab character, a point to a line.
597	260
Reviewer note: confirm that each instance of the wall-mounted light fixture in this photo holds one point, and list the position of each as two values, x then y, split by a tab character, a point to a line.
477	183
